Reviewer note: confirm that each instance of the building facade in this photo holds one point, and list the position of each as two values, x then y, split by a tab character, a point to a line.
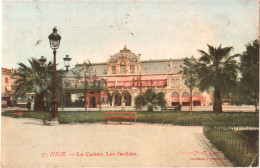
124	77
7	87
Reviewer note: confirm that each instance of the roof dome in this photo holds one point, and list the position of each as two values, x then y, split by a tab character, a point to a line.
125	53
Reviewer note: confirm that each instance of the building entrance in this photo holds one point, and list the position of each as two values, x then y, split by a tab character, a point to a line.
127	99
117	99
92	102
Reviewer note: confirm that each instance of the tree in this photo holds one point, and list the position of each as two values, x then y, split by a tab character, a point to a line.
250	71
217	69
38	80
86	66
140	101
189	70
60	87
98	85
34	79
239	95
150	99
161	100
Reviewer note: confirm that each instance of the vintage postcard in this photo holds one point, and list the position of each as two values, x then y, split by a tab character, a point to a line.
130	83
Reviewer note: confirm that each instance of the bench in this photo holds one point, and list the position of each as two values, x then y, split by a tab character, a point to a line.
120	115
174	108
170	107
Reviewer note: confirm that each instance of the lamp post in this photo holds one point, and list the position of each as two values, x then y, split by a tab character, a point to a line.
42	61
85	85
54	39
67	62
141	90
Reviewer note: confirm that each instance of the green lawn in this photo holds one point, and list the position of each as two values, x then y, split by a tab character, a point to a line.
165	117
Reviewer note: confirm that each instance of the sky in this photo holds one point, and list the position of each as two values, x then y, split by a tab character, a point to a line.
95	30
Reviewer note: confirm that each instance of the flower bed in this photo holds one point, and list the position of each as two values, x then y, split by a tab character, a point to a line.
17	114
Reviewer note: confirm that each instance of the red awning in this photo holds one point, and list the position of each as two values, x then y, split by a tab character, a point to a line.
185	98
130	81
175	98
196	98
8	88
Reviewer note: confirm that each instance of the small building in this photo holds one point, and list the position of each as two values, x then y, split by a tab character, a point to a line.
7	87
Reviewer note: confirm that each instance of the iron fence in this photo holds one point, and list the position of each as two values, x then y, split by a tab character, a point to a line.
235	135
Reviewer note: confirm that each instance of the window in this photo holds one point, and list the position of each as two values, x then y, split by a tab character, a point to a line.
185	94
122	67
6	80
196	94
175	94
132	69
113	69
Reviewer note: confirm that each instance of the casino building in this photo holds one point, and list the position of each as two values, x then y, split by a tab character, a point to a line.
124	76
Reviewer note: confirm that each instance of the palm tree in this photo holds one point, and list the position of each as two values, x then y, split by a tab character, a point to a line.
217	70
38	80
34	79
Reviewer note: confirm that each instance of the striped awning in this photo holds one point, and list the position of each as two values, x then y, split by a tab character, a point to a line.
136	81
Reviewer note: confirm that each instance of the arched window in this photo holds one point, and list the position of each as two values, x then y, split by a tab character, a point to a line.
175	94
196	94
185	94
122	67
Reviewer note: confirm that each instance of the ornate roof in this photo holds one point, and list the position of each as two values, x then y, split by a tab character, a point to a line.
163	66
125	53
148	67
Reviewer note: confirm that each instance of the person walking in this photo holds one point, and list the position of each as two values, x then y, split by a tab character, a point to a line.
28	105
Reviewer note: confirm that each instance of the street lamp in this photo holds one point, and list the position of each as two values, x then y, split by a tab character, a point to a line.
42	61
54	39
67	62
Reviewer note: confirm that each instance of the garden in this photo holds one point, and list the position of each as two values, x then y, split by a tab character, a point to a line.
235	134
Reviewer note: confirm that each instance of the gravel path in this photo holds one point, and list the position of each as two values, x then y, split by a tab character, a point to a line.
28	143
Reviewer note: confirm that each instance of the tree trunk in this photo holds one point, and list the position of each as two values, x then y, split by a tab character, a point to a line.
39	102
256	99
99	97
217	106
191	101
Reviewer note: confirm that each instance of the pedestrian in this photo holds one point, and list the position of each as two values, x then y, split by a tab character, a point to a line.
28	105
